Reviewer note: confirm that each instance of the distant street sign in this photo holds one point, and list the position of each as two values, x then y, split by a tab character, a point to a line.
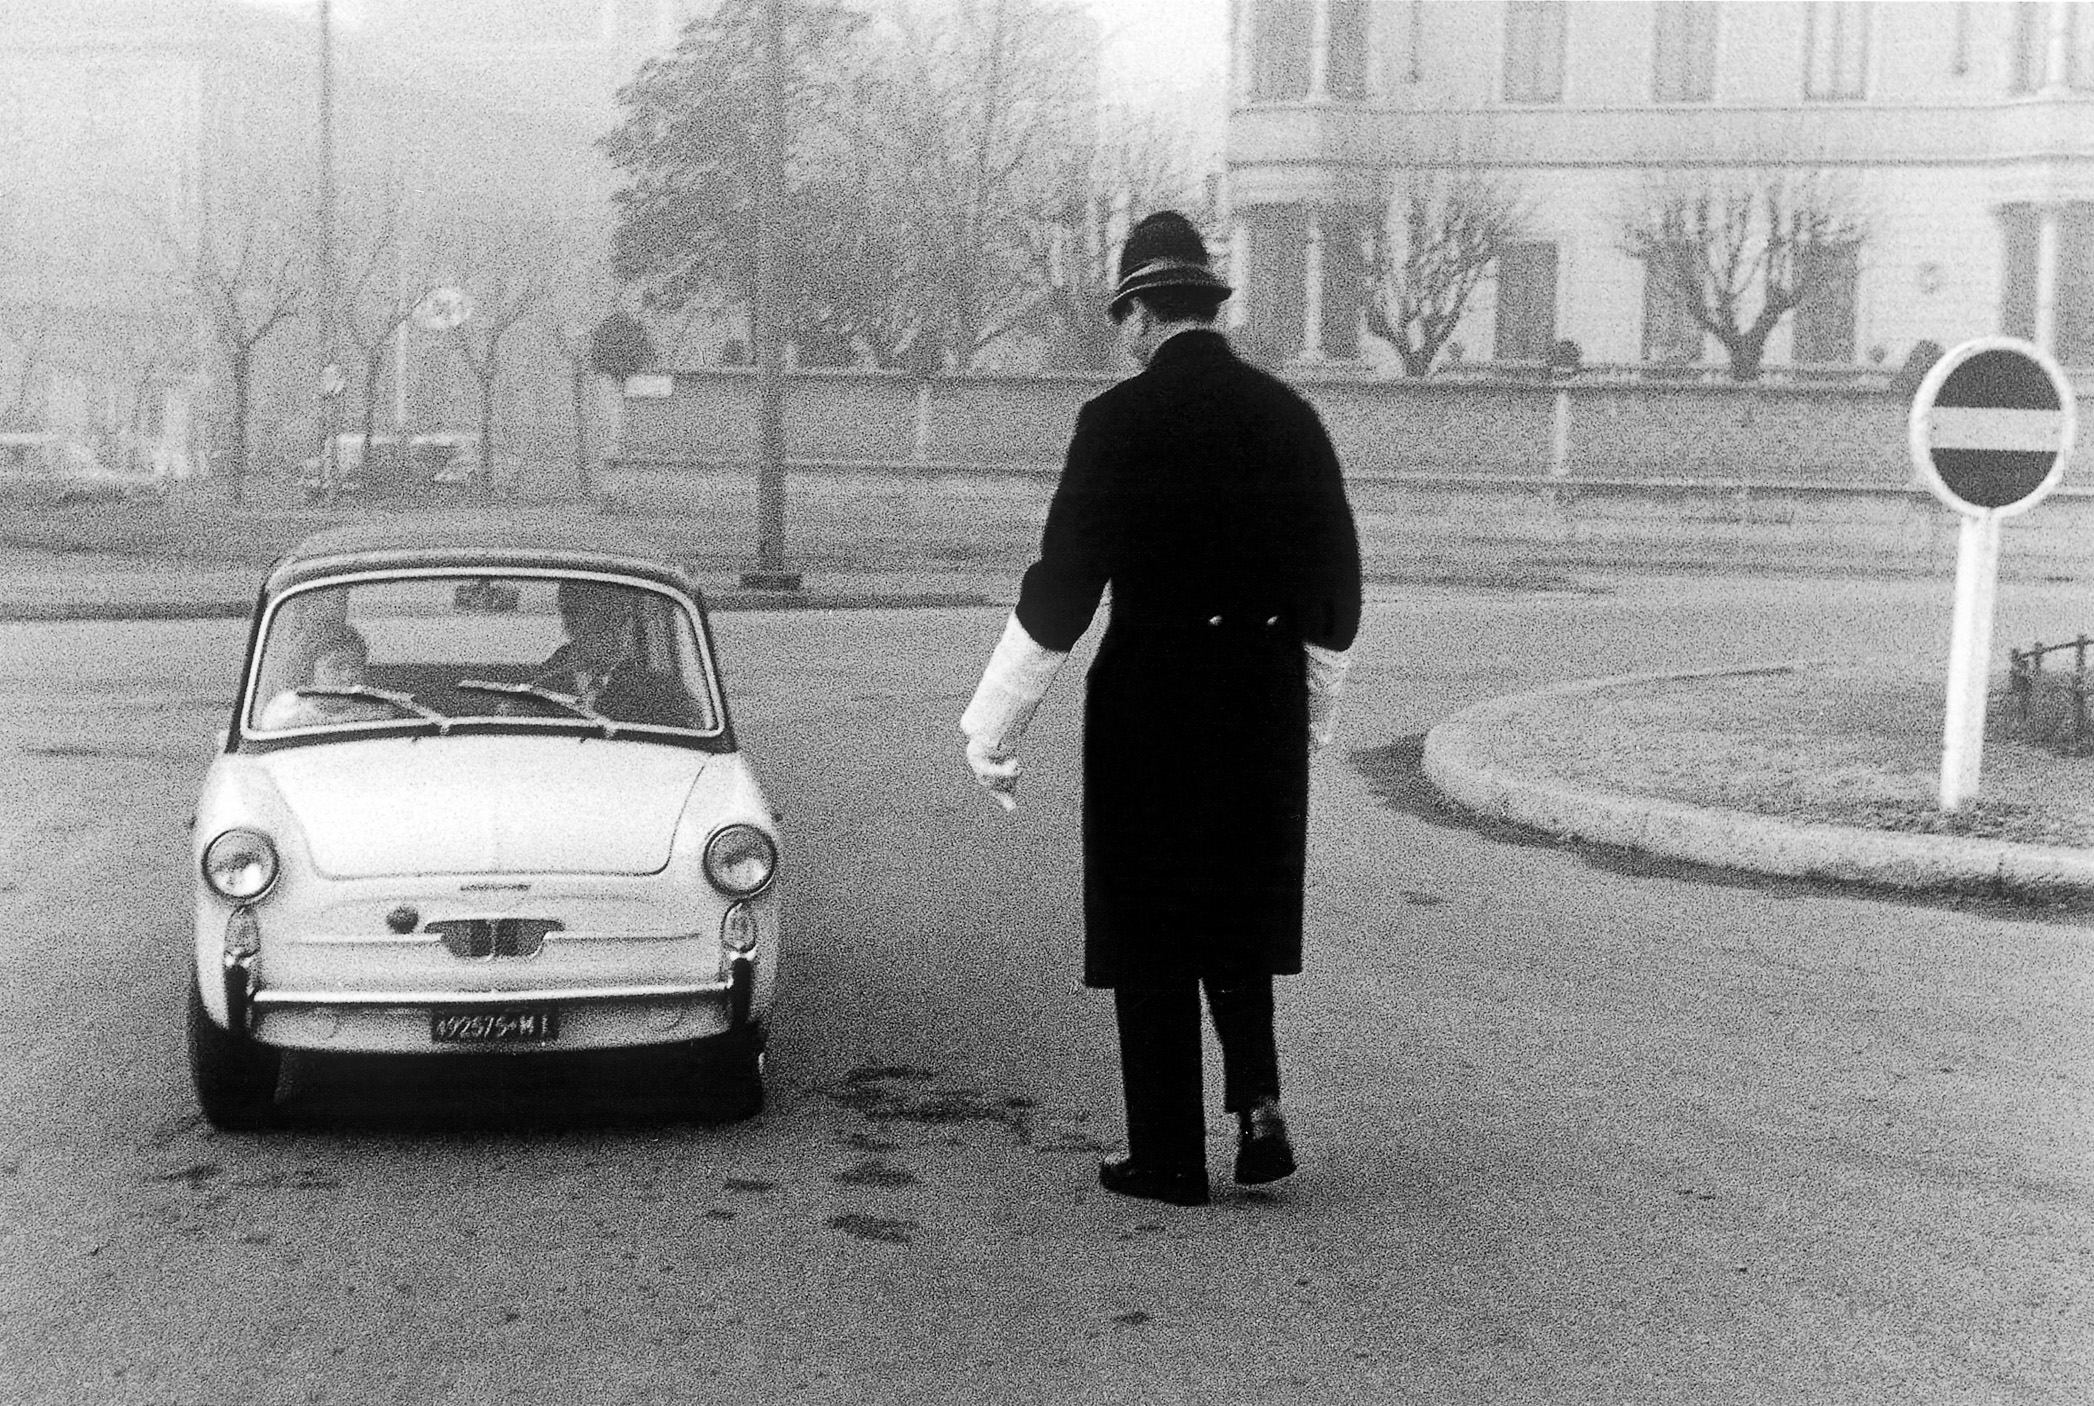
441	309
1992	425
1990	430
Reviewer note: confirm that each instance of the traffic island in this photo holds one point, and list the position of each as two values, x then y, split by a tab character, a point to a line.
1805	770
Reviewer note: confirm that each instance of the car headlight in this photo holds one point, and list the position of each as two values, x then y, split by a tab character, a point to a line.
740	860
240	865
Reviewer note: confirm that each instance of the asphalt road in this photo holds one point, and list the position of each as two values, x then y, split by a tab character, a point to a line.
1575	1129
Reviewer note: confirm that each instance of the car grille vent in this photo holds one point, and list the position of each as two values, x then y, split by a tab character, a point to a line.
479	939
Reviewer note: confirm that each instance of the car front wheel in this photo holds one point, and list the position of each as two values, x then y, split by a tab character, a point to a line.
235	1079
727	1085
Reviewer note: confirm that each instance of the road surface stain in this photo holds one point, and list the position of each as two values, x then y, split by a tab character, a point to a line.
873	1172
880	1094
881	1228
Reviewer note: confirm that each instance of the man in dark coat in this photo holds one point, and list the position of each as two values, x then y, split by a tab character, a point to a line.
1207	495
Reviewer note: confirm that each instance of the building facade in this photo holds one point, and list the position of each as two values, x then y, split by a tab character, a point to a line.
1965	132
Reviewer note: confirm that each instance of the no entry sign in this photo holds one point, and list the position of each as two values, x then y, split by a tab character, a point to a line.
1992	426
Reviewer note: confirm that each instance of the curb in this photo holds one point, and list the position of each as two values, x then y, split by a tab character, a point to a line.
54	611
1460	761
42	611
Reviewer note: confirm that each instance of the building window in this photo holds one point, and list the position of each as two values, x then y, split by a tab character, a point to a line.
2029	44
2073	337
2079	48
1837	40
1671	336
1345	56
1534	51
2072	282
1344	278
1276	302
1526	322
2020	237
1824	331
1281	33
1683	66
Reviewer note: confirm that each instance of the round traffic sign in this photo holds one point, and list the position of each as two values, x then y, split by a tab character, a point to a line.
1992	426
441	309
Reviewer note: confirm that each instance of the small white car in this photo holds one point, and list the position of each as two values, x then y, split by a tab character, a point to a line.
480	792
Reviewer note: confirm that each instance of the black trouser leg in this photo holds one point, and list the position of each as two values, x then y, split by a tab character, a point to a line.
1159	1026
1242	1013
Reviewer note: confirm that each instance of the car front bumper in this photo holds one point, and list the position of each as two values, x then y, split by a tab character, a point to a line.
589	1017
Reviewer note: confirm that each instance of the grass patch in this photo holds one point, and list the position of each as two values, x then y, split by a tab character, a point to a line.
1832	745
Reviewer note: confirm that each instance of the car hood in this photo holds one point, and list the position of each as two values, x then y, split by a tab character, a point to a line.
486	805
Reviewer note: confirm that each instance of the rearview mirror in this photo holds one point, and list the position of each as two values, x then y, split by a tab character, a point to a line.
485	597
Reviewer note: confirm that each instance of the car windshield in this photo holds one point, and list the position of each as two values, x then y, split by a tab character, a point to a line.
436	648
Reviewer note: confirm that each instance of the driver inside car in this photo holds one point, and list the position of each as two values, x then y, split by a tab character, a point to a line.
601	664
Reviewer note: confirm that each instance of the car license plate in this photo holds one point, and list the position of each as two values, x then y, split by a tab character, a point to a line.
510	1025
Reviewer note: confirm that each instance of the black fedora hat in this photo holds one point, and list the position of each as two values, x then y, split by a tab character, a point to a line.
1163	251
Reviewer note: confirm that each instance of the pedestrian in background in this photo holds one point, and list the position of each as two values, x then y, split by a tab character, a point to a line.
1207	495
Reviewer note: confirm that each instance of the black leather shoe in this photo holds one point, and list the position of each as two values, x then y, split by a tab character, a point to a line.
1124	1178
1263	1152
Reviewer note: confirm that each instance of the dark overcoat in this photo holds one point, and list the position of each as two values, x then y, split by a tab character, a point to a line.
1206	494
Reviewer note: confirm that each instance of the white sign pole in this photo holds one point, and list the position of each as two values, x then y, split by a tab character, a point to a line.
1982	422
1970	655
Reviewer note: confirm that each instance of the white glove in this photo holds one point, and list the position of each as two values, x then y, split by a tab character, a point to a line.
1326	673
1012	686
997	772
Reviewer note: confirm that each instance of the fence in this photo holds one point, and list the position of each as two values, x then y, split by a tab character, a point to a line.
2025	680
1581	427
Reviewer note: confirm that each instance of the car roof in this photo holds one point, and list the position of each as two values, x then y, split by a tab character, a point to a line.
475	546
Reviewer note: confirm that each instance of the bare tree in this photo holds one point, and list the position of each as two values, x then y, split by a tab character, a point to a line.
24	325
32	338
577	300
1740	249
247	279
506	270
687	150
378	297
926	138
1138	163
158	338
1444	231
978	105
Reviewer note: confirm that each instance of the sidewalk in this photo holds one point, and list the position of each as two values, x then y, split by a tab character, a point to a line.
90	586
1805	771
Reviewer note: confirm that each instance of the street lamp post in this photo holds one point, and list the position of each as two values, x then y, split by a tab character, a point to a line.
768	316
574	340
326	288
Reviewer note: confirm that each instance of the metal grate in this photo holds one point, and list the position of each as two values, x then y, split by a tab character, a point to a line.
483	939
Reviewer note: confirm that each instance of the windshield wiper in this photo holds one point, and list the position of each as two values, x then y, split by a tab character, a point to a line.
405	702
571	702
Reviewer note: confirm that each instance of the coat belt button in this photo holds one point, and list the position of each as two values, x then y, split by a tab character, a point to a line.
1271	620
1214	620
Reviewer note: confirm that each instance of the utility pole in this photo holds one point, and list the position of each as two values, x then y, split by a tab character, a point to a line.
768	317
326	281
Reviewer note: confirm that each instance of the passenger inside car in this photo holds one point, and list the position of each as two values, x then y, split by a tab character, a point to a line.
339	658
